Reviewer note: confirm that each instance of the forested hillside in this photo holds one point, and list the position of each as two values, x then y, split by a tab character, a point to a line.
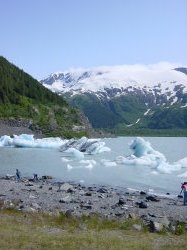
23	97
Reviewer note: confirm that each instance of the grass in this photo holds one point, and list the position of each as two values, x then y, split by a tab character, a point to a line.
20	230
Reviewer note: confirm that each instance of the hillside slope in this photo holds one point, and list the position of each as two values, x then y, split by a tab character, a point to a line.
24	102
128	96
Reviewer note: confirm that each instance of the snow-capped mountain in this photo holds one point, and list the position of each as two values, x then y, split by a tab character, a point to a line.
122	94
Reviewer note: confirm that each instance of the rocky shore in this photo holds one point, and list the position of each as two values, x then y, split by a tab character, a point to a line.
46	195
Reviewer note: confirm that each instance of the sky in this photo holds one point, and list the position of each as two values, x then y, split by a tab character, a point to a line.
45	36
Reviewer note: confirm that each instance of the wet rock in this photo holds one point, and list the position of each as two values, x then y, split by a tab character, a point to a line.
47	177
143	193
152	198
143	204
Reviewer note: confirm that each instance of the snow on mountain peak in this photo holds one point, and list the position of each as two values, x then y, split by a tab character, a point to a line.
121	76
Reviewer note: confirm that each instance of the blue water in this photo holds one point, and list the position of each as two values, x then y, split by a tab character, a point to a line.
49	162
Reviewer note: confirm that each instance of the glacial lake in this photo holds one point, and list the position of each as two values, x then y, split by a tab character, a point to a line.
51	162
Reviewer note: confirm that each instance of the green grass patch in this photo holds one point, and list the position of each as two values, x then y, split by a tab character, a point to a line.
19	230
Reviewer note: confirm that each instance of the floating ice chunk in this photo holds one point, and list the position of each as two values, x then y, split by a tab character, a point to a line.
145	155
28	141
69	167
89	146
85	145
64	159
108	163
5	141
74	153
183	162
88	162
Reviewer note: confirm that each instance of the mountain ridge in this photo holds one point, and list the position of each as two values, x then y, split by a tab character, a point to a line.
126	96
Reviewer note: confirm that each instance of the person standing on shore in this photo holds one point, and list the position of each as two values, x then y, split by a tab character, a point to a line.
18	175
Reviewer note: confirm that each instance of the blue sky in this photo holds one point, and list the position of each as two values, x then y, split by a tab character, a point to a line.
43	36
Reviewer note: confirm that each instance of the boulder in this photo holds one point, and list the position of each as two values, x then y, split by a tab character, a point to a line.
152	198
67	188
156	226
143	204
137	227
121	201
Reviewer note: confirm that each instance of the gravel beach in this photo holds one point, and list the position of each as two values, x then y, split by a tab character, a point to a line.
46	195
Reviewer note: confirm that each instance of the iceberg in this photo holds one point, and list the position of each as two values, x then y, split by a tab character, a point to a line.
145	155
83	145
74	153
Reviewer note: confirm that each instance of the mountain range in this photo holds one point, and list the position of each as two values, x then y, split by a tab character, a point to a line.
128	96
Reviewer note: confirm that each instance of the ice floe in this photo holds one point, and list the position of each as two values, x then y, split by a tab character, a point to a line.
84	145
144	155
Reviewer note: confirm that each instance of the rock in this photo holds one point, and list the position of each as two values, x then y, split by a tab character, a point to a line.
36	206
180	196
119	214
30	209
121	201
50	188
32	197
102	196
167	193
86	206
41	186
142	204
152	198
165	222
65	199
132	216
47	177
69	213
66	187
102	190
29	185
143	193
21	206
156	226
88	194
137	227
